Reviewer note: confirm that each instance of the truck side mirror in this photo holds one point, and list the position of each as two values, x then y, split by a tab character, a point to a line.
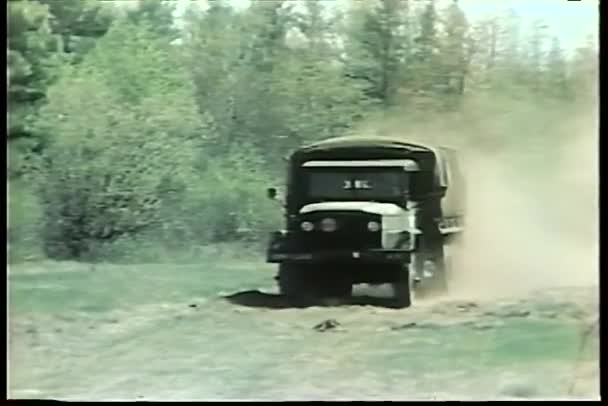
271	193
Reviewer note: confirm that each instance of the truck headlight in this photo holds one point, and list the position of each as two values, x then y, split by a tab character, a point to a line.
328	225
373	226
307	226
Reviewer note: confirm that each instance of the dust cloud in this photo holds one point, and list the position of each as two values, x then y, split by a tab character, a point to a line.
531	227
532	194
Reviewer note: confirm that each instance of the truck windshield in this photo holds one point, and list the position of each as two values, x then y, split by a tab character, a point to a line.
356	183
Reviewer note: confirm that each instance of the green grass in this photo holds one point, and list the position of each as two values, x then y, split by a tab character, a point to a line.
52	288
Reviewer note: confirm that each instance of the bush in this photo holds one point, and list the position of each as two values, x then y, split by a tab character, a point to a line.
114	160
226	201
136	169
112	182
24	220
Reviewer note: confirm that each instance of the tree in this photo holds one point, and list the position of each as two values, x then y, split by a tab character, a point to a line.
147	65
426	49
126	133
213	50
315	27
584	71
232	58
377	47
33	54
497	57
535	54
262	48
455	49
157	14
510	60
556	80
79	23
482	42
267	21
306	94
43	35
315	99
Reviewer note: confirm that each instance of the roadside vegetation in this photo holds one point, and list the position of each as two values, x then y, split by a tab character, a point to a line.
139	135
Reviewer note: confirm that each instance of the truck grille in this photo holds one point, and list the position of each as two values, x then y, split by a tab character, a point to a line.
351	233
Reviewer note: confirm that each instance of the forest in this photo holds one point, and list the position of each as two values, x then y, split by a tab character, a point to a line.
135	133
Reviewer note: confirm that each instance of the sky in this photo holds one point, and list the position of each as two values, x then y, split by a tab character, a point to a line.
571	21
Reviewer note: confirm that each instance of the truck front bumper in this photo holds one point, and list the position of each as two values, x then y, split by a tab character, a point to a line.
367	256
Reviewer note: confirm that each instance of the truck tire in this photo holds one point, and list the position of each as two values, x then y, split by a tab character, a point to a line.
437	284
296	284
401	289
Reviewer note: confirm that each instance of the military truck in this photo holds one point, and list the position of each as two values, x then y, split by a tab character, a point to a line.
373	210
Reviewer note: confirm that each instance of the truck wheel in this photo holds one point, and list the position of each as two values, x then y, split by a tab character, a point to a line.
295	283
438	283
401	289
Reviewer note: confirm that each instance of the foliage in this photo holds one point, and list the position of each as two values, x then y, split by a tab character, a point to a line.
116	156
24	220
42	36
157	14
33	51
129	128
79	23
